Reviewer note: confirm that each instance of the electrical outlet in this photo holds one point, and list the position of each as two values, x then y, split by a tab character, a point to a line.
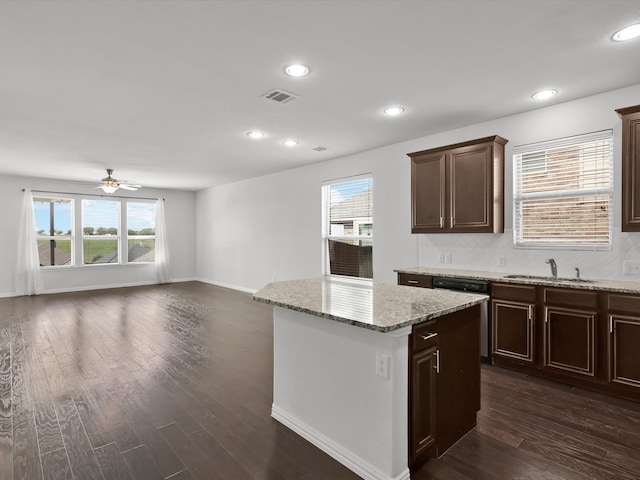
441	258
382	365
501	261
631	267
448	258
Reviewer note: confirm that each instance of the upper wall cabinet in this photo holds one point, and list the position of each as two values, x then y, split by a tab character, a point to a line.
459	188
630	168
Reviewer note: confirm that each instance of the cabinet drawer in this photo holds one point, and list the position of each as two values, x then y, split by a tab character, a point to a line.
571	298
415	280
517	293
623	303
424	336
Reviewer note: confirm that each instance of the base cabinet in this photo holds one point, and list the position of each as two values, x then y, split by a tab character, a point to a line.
444	380
513	323
513	330
583	337
570	334
625	350
569	341
624	341
423	403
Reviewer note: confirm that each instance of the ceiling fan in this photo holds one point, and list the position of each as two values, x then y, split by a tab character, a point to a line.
109	184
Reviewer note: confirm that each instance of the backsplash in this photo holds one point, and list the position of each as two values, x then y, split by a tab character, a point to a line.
483	252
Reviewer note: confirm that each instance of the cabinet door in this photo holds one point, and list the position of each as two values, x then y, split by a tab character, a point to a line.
423	403
625	351
470	189
569	341
512	327
428	193
630	169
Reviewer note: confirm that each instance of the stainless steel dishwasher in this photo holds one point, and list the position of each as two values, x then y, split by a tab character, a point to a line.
472	286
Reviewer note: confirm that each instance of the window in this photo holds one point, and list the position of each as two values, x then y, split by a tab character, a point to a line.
100	239
99	222
348	227
54	230
563	193
141	231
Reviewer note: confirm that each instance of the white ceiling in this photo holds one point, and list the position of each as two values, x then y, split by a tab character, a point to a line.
165	91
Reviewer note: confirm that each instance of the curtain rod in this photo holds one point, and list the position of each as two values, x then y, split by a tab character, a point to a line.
93	195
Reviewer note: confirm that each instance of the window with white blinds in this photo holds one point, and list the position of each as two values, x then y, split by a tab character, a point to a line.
563	192
348	227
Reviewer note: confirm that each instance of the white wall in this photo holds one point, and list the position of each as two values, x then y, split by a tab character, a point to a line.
266	228
180	219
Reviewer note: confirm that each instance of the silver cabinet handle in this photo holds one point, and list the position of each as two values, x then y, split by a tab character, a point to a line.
437	367
412	282
530	312
441	221
610	324
428	336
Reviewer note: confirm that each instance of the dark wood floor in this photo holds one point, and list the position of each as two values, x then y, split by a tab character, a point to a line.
174	381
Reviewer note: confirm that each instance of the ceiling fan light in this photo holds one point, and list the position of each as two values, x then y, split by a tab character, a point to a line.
109	188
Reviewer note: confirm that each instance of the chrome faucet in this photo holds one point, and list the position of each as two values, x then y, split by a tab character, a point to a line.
554	267
577	274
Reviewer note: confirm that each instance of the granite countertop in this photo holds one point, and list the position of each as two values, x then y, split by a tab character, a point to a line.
619	286
374	306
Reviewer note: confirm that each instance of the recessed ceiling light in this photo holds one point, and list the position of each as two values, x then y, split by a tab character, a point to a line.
627	33
544	94
393	111
297	70
255	134
290	143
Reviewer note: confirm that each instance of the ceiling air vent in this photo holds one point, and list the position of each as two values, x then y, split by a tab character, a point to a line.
279	96
319	149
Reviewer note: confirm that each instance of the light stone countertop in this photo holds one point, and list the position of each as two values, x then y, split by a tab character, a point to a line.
374	306
619	286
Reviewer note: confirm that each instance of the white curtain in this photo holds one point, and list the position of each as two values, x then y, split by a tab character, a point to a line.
163	271
28	275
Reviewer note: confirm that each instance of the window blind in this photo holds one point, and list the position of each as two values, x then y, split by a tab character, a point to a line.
348	228
563	192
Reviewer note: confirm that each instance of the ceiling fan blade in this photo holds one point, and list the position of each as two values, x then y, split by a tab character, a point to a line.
130	187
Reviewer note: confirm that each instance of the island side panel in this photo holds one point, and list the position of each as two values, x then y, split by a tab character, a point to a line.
326	389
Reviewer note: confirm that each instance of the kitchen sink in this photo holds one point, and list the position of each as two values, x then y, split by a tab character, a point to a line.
548	278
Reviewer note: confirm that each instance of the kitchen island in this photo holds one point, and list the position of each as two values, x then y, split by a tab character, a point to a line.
349	375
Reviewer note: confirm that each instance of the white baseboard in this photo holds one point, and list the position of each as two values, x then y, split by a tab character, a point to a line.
227	285
349	459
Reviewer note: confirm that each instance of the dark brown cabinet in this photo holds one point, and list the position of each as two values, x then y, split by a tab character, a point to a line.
513	322
415	280
570	319
584	337
624	341
459	188
444	380
424	366
630	168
